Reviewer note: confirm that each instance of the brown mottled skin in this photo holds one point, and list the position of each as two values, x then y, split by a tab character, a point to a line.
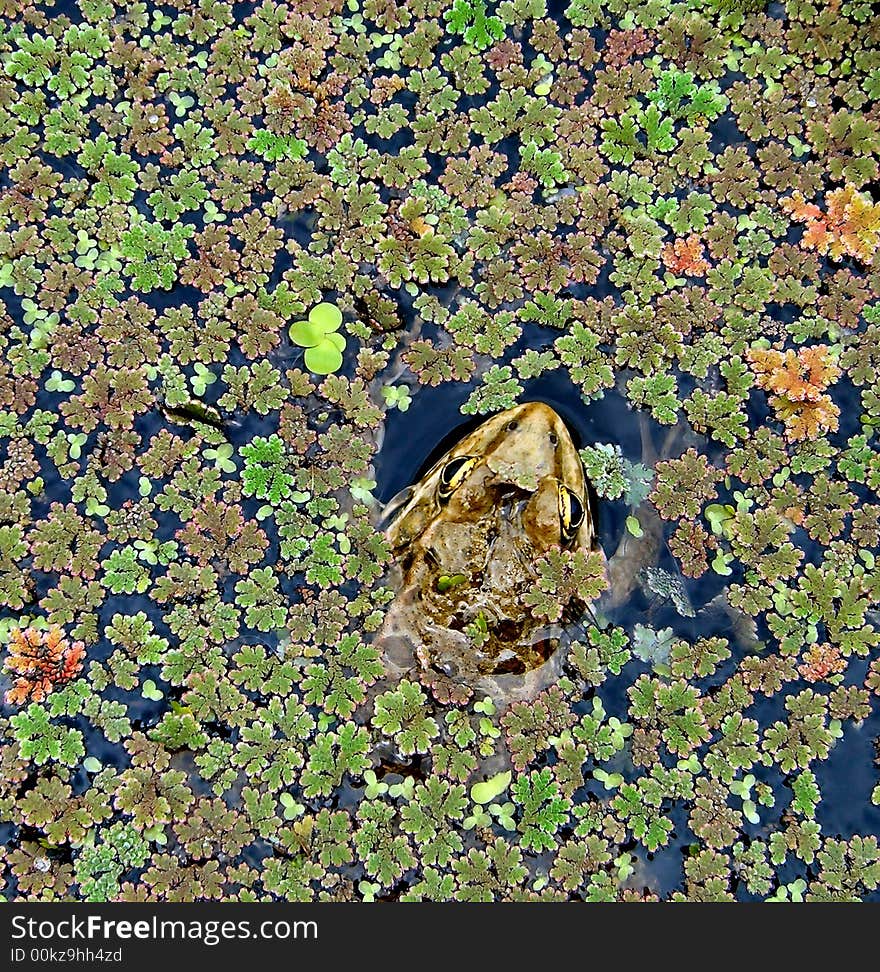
466	537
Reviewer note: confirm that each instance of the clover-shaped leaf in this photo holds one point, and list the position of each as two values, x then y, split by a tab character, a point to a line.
76	441
292	809
222	457
201	379
721	563
151	692
719	517
397	396
318	335
58	383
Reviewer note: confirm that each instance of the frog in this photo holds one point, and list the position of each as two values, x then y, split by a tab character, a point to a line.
465	539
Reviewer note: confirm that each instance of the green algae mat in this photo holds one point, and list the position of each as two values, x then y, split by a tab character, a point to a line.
261	265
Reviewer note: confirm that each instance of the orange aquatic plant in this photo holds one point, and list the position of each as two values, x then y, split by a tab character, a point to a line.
685	256
797	383
40	661
851	225
821	661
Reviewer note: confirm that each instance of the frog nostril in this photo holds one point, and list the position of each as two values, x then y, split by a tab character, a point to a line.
554	439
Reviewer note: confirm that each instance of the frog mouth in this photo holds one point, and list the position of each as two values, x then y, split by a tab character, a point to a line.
518	657
506	645
530	657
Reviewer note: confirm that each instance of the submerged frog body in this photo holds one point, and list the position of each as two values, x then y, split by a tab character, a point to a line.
466	538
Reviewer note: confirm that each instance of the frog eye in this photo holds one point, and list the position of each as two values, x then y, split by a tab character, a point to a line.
571	514
452	475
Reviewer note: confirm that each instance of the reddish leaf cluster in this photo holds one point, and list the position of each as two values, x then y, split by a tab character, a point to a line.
797	383
621	46
41	661
820	661
851	226
685	256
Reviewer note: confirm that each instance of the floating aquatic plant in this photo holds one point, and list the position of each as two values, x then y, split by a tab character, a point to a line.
798	382
318	334
40	662
470	19
685	256
851	224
